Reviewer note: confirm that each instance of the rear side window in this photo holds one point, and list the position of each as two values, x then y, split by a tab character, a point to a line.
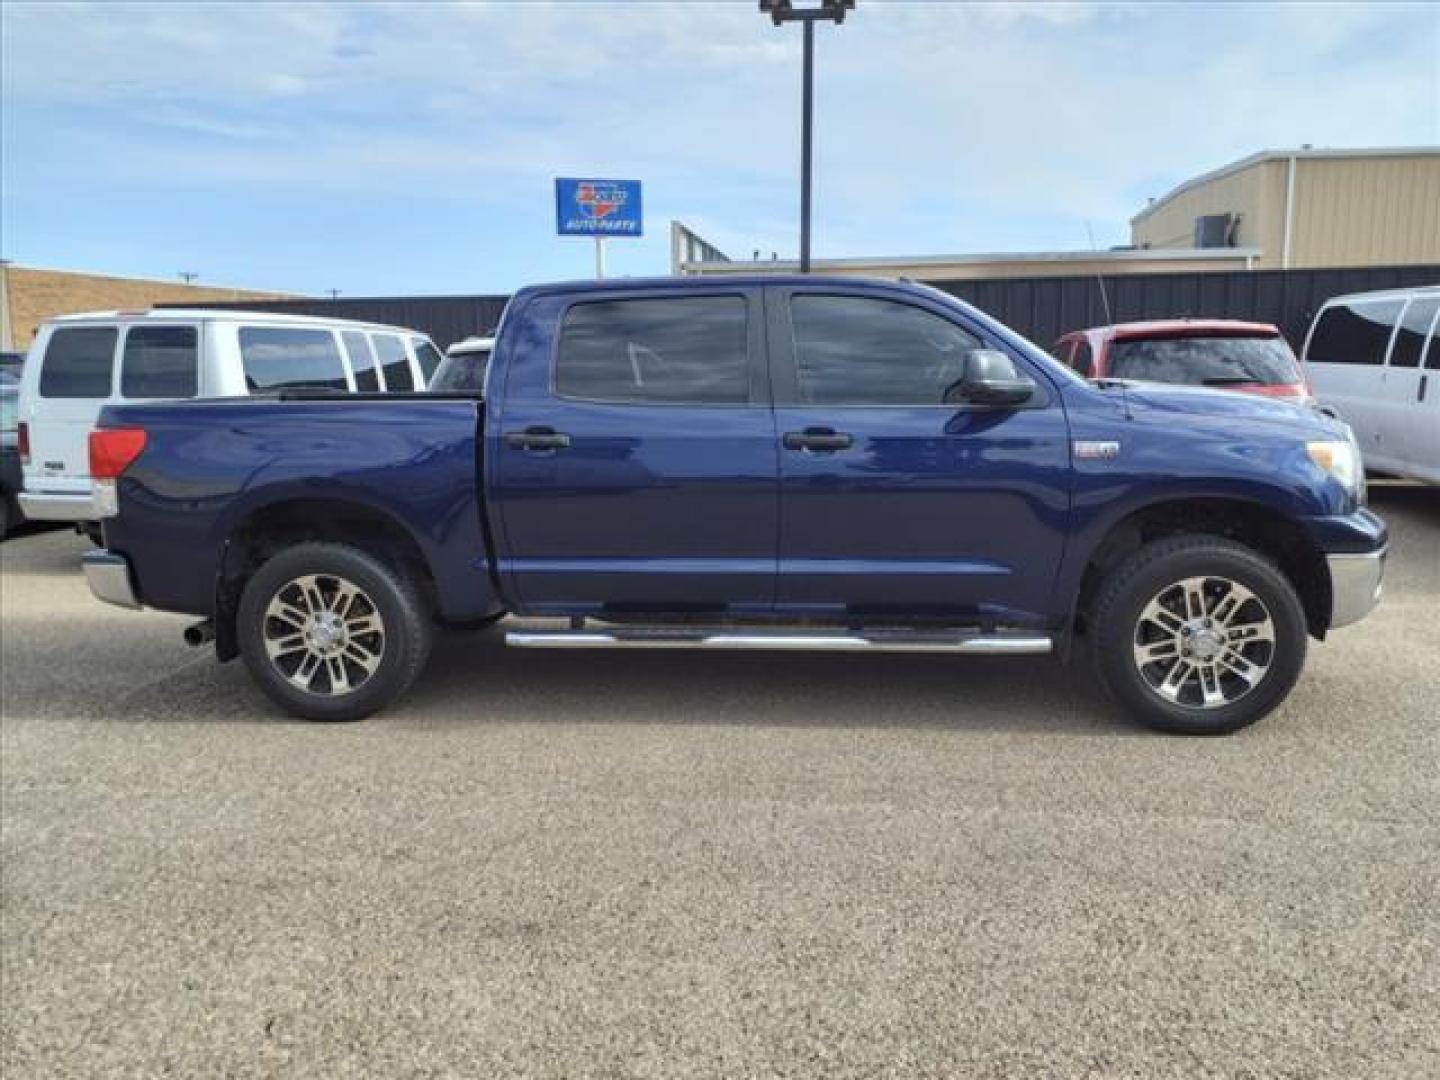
1355	334
78	362
1410	339
362	360
160	362
396	365
427	356
281	358
852	350
676	350
1204	361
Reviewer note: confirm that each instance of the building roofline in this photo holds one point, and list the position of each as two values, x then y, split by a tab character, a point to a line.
11	264
1281	155
739	266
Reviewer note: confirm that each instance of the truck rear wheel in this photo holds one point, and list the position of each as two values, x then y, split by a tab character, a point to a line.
1198	635
330	632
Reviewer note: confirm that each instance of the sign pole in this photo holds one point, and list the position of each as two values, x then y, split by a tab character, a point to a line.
599	256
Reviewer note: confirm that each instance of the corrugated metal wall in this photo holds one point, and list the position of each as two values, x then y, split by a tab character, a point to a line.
1040	308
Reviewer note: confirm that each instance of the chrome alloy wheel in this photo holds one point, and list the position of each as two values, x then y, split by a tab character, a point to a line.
324	634
1204	642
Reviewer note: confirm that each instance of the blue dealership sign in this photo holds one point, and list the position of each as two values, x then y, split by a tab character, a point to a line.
597	207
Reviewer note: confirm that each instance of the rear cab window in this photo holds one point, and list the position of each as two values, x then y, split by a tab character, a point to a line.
1204	360
284	358
79	362
689	350
160	362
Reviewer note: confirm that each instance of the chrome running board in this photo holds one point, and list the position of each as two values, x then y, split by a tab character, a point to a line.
900	641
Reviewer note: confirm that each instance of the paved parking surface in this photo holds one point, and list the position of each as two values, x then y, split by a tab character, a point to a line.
669	864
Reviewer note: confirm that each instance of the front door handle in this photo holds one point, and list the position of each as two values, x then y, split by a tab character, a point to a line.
1420	393
817	440
538	438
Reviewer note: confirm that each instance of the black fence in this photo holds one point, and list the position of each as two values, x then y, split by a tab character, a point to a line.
1040	308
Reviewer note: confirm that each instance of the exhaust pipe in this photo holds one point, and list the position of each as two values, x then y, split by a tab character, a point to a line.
202	633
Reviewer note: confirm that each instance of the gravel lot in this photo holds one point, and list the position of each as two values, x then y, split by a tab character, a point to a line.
669	864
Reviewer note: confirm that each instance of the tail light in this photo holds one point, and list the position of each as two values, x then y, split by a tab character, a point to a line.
113	449
22	442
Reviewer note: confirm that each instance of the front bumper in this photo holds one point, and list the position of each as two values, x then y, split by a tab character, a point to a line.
1355	585
58	506
108	576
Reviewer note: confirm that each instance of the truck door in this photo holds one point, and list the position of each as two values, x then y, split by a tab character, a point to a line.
632	453
893	502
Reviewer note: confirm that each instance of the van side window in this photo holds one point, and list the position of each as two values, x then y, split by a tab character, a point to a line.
393	361
1410	339
280	358
853	350
675	350
428	357
1355	334
362	360
160	362
78	362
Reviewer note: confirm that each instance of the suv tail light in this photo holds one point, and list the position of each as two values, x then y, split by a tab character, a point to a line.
113	449
22	442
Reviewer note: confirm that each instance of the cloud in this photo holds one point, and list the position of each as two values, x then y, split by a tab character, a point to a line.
940	126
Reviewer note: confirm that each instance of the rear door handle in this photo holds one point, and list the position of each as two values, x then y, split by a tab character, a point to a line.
817	440
538	438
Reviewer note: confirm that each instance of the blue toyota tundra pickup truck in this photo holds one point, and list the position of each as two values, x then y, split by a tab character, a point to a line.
760	462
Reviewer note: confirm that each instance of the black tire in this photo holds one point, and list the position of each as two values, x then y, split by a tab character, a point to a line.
9	516
402	641
1119	635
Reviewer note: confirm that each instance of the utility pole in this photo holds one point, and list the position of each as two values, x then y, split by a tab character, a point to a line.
334	293
780	12
187	276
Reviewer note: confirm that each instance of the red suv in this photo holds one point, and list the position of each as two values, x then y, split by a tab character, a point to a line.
1253	357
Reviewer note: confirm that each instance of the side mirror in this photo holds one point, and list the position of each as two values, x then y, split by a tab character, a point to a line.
990	378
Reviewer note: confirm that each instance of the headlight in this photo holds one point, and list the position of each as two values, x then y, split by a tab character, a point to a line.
1341	459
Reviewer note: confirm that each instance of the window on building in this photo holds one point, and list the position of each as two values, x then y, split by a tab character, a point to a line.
670	350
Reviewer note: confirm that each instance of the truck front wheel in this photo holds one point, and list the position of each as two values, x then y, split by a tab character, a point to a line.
330	632
1198	635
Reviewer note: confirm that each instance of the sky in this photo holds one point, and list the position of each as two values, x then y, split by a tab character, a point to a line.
380	148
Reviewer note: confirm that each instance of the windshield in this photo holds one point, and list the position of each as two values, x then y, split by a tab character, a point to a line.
463	371
1204	361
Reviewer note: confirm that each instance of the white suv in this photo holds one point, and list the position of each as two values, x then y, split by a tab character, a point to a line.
80	363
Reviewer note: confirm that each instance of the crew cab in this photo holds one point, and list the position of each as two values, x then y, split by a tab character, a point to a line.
763	462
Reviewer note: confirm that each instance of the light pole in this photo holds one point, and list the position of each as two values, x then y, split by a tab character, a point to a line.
783	11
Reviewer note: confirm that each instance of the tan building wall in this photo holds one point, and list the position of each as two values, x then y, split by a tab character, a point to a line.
31	295
1351	208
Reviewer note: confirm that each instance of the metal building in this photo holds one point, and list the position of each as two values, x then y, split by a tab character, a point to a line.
1307	208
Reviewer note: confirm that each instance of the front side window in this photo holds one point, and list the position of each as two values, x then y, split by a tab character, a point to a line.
362	360
1410	338
160	362
1353	334
673	350
852	350
393	361
1084	360
1205	361
78	362
284	358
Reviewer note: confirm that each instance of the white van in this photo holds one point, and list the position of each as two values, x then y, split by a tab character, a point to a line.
1373	360
80	363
